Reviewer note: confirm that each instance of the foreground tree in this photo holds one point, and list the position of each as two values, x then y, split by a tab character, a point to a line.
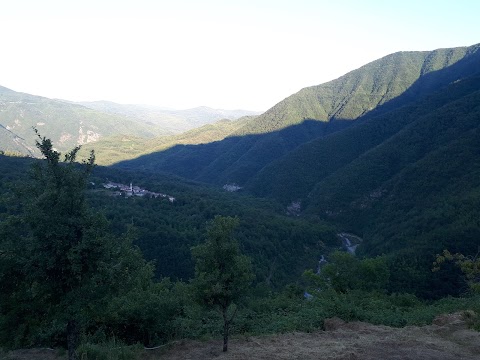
222	273
65	265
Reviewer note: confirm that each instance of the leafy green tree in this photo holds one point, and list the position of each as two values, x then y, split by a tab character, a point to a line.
62	265
469	265
222	273
346	272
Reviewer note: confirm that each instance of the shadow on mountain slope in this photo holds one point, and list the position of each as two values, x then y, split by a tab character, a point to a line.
238	159
234	159
295	175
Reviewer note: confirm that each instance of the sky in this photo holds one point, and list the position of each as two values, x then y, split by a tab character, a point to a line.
222	54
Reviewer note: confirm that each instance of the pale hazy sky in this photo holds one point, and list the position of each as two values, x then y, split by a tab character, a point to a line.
224	54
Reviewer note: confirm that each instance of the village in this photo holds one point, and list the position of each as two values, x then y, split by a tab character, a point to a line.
130	190
231	187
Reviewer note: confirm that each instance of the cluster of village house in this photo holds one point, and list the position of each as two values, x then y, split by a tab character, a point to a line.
122	189
231	187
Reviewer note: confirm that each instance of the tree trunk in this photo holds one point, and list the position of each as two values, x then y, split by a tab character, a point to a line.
226	328
73	338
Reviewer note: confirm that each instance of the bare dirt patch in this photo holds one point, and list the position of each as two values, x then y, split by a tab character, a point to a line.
448	338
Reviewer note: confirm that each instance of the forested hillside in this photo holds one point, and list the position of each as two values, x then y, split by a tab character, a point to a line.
416	193
385	164
117	148
376	88
280	246
368	88
311	163
406	180
129	308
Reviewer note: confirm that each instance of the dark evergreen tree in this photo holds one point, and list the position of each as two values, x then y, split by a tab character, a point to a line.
62	265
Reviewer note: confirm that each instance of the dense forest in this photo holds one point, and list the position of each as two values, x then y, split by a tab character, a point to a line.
161	304
359	199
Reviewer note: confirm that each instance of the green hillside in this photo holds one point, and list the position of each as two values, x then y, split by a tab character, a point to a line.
311	163
363	90
427	133
114	149
65	123
159	311
374	89
281	247
368	159
394	158
406	181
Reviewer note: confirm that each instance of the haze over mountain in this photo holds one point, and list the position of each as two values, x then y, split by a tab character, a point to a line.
69	124
65	123
173	121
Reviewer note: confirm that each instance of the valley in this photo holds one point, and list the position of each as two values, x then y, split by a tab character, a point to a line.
375	174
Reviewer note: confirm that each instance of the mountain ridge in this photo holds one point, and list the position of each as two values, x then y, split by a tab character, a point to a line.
321	102
360	138
334	106
69	124
175	121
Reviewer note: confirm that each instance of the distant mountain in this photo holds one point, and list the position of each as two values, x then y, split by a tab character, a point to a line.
117	148
315	112
65	123
173	121
69	124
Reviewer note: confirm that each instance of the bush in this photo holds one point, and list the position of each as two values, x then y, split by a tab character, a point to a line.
111	350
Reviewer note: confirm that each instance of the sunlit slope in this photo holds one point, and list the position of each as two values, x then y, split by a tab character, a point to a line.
374	89
117	148
359	91
65	123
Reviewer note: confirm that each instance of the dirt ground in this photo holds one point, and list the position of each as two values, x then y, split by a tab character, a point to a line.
448	338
